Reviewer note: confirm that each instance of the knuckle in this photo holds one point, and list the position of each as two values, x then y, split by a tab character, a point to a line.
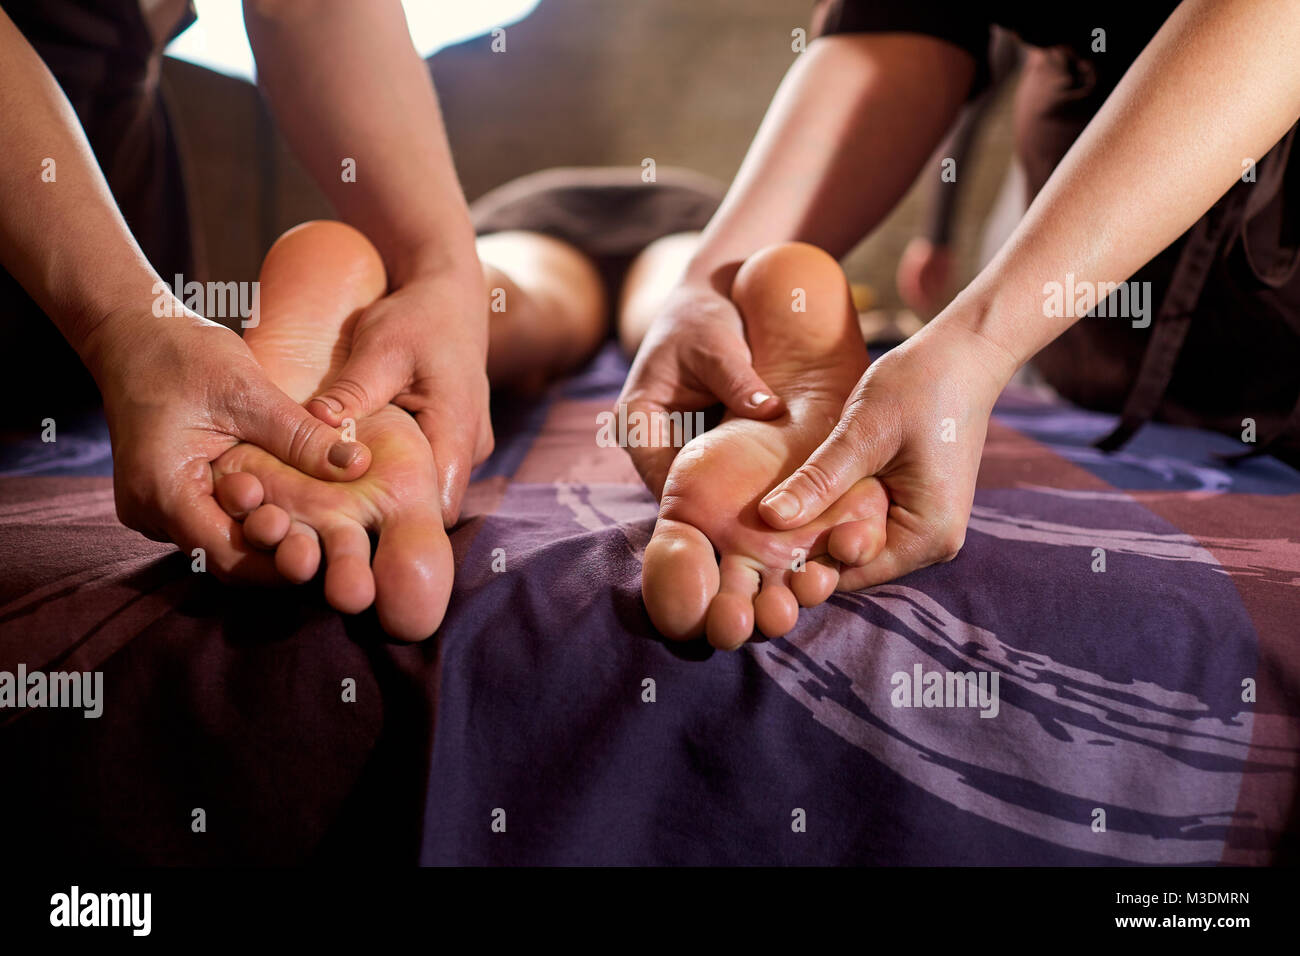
947	542
351	392
303	432
817	479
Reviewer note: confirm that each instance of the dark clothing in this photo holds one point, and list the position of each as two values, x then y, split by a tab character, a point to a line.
1224	344
106	59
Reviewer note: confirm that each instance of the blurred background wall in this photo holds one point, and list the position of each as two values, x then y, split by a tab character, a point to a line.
581	82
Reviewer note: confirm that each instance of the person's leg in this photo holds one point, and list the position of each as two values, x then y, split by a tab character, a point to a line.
804	336
649	279
315	281
547	312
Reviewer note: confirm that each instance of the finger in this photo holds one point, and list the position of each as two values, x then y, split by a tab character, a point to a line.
275	423
453	453
652	462
905	551
856	542
653	465
370	379
194	520
840	460
735	384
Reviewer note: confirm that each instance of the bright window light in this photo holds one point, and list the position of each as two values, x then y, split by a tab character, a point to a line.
218	41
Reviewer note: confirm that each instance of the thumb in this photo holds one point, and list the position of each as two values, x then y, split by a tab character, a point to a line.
288	431
733	381
840	460
368	381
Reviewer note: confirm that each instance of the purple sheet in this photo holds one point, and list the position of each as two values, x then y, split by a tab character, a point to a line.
522	732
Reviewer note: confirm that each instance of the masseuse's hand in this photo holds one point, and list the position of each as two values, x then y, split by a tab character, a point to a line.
941	384
179	391
693	357
424	347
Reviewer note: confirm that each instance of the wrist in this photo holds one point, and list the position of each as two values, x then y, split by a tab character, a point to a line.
451	258
125	335
706	275
969	330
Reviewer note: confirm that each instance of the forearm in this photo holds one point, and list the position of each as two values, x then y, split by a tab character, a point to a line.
1217	85
845	136
345	82
61	234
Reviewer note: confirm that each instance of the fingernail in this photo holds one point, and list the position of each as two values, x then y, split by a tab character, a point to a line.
344	453
758	398
784	504
333	404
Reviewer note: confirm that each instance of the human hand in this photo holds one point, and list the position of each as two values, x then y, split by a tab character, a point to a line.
423	347
917	421
694	356
925	275
178	392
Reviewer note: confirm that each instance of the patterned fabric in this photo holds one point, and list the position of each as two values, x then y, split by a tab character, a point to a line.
1124	694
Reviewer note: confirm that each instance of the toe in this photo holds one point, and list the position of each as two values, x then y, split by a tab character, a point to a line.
413	573
349	583
678	579
856	542
238	493
731	614
815	583
775	609
298	556
266	526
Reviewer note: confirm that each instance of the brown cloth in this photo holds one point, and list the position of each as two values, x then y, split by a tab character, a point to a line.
610	213
106	58
1225	341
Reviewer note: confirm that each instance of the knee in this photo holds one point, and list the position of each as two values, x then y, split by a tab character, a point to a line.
788	276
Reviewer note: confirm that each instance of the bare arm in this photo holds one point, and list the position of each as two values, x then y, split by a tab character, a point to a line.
345	83
853	121
178	390
846	134
63	240
1218	84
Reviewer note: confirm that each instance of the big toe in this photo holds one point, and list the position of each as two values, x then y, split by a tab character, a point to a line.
413	574
679	579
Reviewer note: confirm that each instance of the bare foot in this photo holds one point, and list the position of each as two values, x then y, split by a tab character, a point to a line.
813	358
315	281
